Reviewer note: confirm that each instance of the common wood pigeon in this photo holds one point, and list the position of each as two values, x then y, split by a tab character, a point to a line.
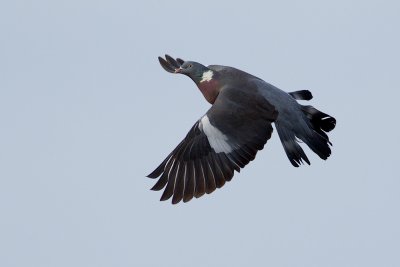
235	128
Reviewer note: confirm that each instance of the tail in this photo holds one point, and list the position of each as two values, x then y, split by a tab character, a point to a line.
313	132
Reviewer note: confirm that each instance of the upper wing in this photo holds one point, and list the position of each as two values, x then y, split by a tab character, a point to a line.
227	138
301	95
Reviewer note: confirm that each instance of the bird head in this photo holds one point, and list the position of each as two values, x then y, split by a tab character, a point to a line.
192	69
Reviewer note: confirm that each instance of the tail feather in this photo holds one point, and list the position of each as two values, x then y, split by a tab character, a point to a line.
293	150
318	144
320	123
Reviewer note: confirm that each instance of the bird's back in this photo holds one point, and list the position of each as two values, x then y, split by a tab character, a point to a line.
294	121
233	75
282	101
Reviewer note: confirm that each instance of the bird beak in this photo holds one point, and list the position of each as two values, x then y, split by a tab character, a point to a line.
171	65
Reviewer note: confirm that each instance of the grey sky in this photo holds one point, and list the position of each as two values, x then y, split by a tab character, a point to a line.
86	112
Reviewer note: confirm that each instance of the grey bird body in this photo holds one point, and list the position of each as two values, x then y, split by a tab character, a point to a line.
288	108
235	128
292	123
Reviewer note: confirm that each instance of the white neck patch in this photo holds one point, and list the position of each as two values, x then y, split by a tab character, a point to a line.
207	76
218	141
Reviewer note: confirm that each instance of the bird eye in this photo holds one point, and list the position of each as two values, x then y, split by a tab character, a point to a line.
189	66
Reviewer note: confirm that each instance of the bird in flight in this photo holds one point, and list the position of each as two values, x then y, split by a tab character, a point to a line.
235	128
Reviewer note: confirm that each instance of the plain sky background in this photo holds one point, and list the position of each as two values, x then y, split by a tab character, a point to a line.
86	112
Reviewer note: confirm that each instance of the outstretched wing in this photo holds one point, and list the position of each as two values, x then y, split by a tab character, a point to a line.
225	139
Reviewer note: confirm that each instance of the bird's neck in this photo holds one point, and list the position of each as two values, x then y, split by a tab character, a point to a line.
209	85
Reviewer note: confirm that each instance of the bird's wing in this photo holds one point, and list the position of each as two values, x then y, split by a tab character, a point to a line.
225	139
